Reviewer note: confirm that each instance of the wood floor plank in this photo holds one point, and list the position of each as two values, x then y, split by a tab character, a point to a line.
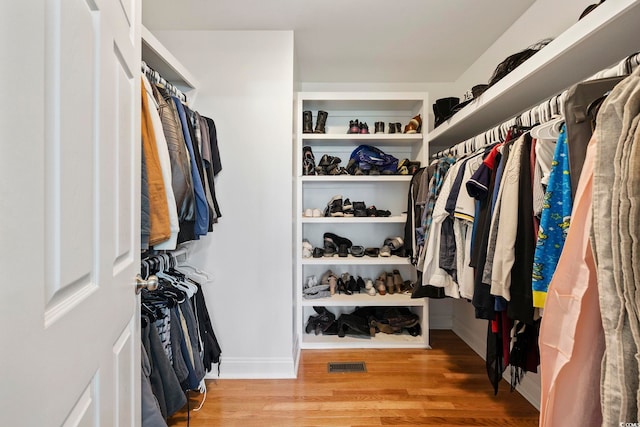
444	386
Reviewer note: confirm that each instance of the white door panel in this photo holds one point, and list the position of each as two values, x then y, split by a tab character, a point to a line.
70	213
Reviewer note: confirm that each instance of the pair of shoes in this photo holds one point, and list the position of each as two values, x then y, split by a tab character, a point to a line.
329	280
334	207
369	288
357	251
307	249
337	241
396	246
395	127
414	125
349	284
308	161
373	211
356	127
372	252
321	322
312	213
327	164
407	167
379	127
336	244
359	209
307	122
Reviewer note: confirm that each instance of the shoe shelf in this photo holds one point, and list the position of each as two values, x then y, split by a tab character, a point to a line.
355	220
356	178
404	340
385	192
391	138
362	299
352	260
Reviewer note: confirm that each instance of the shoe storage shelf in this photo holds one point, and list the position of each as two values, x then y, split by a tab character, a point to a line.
386	192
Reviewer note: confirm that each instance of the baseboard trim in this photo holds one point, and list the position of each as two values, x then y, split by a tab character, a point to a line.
251	368
441	322
529	386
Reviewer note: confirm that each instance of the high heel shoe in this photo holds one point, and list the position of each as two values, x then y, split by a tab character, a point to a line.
342	287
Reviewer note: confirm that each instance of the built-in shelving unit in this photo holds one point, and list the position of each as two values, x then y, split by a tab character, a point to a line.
602	38
386	192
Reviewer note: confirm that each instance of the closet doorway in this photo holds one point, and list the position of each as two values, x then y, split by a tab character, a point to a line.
70	228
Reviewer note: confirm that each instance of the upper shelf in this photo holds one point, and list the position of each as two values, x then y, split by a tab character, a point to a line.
161	60
607	35
363	101
359	138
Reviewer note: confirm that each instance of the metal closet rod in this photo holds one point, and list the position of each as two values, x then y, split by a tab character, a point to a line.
158	79
542	113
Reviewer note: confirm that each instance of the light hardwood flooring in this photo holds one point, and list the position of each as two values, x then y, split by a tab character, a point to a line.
444	386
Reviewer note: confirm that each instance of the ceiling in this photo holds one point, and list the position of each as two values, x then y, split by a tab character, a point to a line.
348	41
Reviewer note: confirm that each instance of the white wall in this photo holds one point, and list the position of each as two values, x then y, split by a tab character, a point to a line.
544	19
246	86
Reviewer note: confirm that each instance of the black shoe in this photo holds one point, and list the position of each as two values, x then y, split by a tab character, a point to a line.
379	127
334	207
337	240
318	252
347	208
398	127
308	161
321	122
364	128
342	287
307	122
343	250
359	209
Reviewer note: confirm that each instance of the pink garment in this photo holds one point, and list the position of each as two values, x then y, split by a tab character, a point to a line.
571	336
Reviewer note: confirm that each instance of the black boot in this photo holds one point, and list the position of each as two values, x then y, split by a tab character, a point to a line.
321	121
308	161
307	122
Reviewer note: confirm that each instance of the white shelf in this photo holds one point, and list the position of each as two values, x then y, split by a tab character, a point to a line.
404	340
356	178
605	36
401	138
352	260
362	300
354	220
161	60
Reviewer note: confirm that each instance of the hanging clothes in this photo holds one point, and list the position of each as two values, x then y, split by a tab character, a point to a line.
165	168
158	209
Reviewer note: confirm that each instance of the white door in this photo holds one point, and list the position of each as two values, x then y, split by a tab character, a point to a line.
69	224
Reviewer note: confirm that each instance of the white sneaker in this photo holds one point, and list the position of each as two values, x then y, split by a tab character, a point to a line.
316	213
307	249
307	213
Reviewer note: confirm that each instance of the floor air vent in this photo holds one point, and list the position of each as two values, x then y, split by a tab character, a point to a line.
335	367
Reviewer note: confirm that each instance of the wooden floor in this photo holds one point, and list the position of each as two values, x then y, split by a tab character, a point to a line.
444	386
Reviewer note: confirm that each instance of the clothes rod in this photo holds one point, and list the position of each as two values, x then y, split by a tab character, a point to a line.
542	113
158	79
